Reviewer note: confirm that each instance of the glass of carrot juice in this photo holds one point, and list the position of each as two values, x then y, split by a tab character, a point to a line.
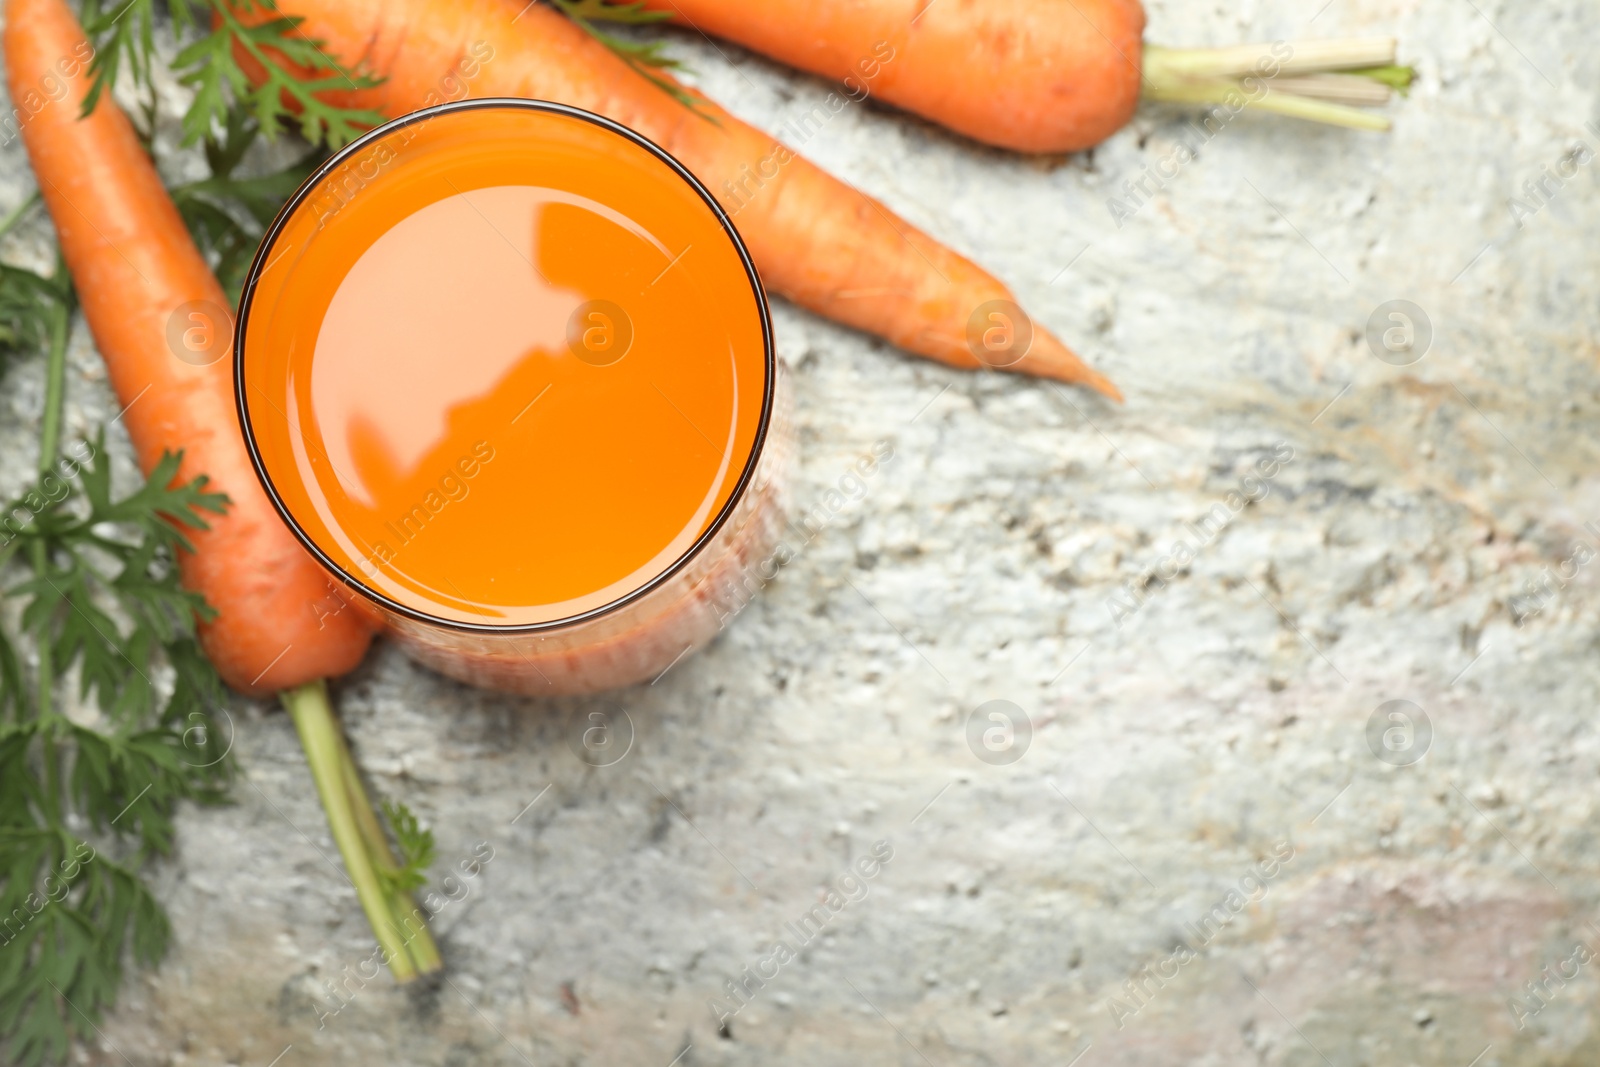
506	370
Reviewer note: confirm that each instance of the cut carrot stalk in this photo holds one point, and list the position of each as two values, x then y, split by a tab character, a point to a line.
403	913
1321	81
403	937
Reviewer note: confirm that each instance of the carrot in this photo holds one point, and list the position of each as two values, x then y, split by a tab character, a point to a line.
1036	75
1040	75
815	239
161	322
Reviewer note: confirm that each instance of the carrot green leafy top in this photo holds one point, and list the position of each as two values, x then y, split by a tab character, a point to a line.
101	626
94	576
228	211
295	71
648	58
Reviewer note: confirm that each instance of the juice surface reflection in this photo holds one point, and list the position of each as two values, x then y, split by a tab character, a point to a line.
504	366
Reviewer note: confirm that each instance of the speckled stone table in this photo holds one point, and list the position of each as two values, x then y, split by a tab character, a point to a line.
1197	834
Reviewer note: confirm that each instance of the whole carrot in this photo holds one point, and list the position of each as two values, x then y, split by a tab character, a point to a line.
1041	75
815	239
161	322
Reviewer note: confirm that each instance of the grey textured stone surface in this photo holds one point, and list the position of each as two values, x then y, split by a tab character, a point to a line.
1222	722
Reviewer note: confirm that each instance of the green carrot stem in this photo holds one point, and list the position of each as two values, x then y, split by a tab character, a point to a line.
55	384
319	735
413	925
1395	77
1220	76
1323	111
55	390
46	678
1284	57
14	216
1301	107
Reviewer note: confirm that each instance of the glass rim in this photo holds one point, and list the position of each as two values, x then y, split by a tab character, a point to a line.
257	267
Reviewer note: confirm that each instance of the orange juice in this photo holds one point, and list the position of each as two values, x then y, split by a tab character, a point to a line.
506	369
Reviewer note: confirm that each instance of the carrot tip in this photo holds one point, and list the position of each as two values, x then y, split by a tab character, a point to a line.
1050	358
1103	385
